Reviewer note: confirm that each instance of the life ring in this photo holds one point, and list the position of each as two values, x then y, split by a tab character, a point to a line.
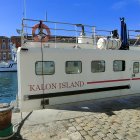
36	36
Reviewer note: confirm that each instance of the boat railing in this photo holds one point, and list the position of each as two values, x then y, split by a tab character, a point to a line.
60	31
134	37
64	32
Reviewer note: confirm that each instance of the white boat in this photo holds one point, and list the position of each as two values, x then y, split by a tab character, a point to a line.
62	70
11	65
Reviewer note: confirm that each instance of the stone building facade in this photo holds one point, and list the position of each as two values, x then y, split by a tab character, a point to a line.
5	51
16	40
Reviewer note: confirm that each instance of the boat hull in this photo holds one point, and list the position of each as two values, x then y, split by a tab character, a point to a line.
38	91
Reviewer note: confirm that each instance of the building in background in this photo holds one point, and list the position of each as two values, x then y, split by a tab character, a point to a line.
5	49
16	40
5	52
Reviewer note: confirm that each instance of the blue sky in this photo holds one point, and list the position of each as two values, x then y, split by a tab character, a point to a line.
104	14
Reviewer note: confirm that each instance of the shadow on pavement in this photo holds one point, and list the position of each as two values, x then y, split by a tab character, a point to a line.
103	105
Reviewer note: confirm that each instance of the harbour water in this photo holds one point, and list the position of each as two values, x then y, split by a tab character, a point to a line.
8	86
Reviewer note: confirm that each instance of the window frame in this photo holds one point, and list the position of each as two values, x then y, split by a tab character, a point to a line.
44	74
138	67
3	45
74	64
4	56
123	67
3	40
98	61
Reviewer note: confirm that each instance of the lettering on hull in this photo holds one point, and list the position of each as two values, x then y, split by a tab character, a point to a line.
51	86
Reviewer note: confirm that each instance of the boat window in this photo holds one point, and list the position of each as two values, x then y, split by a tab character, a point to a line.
136	67
119	65
44	67
73	67
98	66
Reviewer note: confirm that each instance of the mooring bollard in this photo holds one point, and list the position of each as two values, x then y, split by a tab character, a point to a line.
6	127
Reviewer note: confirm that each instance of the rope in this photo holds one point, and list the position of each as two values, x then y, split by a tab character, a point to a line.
42	72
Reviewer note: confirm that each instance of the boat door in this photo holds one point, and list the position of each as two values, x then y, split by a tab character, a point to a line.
135	80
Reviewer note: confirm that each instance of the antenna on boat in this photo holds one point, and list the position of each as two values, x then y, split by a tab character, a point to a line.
23	22
46	16
24	8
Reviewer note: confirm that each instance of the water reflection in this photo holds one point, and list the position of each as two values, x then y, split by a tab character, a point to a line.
8	86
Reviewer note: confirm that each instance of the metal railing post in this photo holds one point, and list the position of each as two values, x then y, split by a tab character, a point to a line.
55	35
76	35
94	35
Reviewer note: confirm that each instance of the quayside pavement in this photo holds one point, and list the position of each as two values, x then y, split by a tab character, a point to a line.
109	119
